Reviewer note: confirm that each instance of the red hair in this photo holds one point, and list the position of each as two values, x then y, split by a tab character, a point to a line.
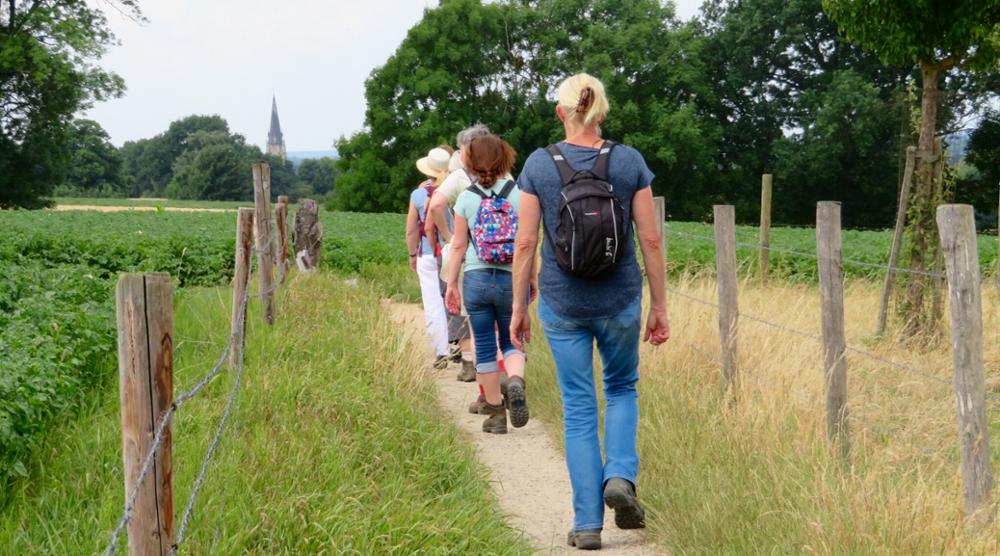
489	158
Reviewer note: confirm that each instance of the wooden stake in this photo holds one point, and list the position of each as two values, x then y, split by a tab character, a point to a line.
897	237
829	252
241	278
308	235
729	312
145	315
766	184
956	224
281	221
262	221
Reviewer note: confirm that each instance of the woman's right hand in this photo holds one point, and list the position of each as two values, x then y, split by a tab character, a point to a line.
453	299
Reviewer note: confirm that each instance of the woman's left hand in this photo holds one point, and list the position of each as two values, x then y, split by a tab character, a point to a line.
657	326
453	300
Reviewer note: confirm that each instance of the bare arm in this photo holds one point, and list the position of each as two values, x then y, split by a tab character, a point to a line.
658	323
525	245
412	234
459	243
438	220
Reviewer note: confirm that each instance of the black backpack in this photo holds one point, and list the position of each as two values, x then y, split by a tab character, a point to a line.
591	234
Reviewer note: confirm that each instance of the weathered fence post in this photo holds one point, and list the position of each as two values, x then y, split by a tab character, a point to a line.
766	186
308	235
660	208
262	223
145	315
241	278
281	221
957	227
831	287
728	284
897	237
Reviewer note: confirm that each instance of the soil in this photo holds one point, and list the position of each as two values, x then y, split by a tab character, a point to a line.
61	208
527	469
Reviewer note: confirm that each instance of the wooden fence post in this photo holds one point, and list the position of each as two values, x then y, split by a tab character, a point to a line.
241	278
145	315
831	287
281	226
660	209
308	235
897	237
766	186
728	284
262	223
956	224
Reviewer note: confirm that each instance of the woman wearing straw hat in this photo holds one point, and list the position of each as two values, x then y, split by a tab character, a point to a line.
424	254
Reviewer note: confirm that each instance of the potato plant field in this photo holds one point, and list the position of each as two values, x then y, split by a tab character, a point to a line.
57	337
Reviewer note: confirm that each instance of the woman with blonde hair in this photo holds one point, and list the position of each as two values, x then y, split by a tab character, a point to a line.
587	192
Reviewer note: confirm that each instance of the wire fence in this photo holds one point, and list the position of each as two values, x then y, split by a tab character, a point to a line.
167	417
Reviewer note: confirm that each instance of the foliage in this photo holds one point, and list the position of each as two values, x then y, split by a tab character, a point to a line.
214	172
319	173
95	164
46	75
979	186
375	468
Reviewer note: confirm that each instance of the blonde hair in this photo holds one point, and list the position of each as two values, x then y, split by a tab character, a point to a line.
583	99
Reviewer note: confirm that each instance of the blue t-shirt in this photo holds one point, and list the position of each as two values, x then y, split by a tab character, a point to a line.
570	296
419	198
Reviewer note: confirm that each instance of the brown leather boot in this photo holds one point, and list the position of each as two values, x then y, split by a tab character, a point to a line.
496	422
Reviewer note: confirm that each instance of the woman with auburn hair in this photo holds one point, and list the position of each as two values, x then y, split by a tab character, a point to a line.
486	223
587	191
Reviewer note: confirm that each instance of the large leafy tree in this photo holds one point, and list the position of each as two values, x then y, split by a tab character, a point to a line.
498	63
319	173
149	163
936	37
95	168
979	185
47	50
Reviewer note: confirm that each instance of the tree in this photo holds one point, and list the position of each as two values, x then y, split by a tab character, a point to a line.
319	173
46	75
216	172
979	186
149	163
937	37
95	168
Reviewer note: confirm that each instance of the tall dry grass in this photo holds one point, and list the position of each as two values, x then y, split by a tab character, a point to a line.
758	475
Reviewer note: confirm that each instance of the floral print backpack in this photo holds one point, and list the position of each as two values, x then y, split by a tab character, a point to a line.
496	226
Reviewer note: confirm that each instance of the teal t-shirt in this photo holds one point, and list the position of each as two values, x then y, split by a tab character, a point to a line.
467	206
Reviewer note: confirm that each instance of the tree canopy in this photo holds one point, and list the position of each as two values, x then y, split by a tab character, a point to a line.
47	49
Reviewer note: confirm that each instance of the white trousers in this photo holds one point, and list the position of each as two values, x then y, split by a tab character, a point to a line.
434	312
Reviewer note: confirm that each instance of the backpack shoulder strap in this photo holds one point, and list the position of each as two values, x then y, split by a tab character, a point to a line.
601	165
506	189
472	188
566	172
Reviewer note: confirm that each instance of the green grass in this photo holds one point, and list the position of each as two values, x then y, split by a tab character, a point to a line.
336	445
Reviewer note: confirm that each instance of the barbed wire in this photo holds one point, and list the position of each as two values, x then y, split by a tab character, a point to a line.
792	252
159	433
784	328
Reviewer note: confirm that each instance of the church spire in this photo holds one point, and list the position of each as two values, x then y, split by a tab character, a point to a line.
275	139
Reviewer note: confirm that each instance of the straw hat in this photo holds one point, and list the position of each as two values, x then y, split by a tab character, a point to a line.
435	163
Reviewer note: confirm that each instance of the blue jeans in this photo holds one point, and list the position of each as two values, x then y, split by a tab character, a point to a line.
572	343
489	300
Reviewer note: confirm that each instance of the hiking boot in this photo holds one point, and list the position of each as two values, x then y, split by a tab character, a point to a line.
456	353
619	495
517	403
588	539
468	372
478	407
441	362
496	423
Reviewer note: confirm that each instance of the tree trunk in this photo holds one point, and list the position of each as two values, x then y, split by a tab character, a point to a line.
923	242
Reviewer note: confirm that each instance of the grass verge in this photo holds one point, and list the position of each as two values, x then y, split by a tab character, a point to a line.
335	445
758	476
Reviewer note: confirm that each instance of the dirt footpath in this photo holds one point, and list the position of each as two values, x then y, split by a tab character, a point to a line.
98	208
527	469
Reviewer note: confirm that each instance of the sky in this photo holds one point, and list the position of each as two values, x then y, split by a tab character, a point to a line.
227	57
